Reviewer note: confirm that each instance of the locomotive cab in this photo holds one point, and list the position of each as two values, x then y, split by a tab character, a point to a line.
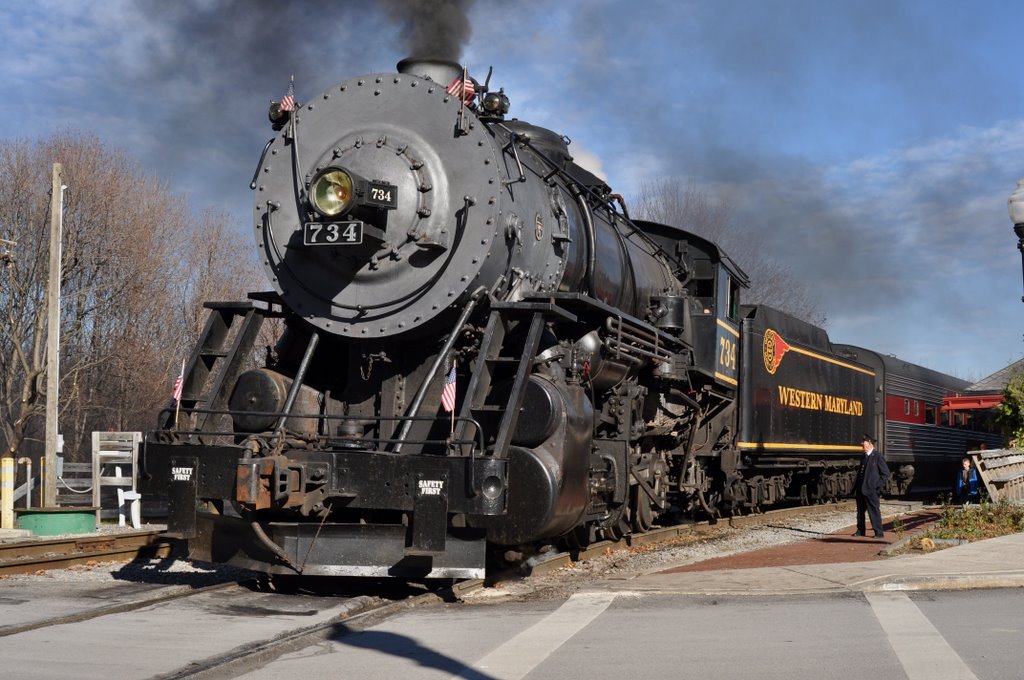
711	304
716	315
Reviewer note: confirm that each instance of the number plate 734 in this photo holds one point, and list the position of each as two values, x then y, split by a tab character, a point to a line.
332	233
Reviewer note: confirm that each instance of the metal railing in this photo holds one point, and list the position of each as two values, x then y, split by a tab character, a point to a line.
324	439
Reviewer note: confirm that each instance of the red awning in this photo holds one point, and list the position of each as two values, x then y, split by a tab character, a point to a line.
976	402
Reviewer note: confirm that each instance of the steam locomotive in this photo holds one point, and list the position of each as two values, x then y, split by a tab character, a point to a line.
478	348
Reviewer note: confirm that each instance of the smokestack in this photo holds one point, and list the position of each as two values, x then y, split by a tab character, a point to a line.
441	71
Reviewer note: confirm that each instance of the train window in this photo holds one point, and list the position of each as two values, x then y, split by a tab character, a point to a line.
917	408
906	407
704	291
929	415
724	293
734	297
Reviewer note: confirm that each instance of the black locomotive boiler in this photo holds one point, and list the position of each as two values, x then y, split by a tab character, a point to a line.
479	348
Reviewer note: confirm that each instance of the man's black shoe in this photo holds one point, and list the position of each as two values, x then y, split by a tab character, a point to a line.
879	534
859	533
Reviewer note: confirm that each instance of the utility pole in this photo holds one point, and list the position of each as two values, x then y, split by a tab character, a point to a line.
49	499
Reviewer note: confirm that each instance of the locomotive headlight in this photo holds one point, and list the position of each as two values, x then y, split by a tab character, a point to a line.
331	192
496	103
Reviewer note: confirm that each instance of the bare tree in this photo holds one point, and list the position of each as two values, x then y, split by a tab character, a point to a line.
135	263
700	211
218	267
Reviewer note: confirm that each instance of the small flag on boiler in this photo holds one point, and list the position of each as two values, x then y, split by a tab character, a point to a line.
448	393
288	101
463	87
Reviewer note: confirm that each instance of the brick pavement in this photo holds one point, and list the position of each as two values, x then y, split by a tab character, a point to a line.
840	546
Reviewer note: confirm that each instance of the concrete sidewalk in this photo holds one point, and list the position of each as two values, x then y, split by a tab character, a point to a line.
992	563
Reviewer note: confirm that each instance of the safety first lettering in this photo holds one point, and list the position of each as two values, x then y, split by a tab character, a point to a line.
815	401
431	487
181	474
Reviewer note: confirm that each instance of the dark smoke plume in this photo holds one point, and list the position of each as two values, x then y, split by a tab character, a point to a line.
245	41
222	62
432	28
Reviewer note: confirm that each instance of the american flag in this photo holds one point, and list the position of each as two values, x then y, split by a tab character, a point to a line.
288	101
464	86
448	393
179	384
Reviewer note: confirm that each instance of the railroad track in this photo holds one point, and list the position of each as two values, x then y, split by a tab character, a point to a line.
145	600
184	609
26	557
553	562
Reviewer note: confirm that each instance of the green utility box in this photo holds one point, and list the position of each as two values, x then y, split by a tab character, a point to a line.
56	521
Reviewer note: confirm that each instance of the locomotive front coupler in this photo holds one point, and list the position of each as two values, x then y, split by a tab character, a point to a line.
278	482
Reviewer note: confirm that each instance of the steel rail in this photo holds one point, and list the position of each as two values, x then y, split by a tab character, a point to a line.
26	557
119	608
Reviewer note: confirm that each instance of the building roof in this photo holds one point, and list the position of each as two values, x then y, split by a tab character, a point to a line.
998	381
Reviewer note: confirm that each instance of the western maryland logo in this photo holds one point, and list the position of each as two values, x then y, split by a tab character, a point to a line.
773	349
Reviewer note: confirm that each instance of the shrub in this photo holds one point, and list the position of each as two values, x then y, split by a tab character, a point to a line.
974	522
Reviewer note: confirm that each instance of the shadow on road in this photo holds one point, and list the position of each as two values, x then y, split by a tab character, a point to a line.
406	648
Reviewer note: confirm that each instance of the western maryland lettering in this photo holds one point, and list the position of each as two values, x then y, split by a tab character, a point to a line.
790	396
816	401
844	406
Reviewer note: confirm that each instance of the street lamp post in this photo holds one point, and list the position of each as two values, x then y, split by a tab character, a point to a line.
1016	207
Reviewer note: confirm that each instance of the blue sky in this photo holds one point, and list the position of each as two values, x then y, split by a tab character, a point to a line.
873	143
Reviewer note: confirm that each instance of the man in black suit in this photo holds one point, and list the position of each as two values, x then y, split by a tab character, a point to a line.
871	478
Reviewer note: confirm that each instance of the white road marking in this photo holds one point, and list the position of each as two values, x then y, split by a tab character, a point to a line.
520	655
921	649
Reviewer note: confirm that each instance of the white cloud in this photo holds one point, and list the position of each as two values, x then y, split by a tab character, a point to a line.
588	160
936	160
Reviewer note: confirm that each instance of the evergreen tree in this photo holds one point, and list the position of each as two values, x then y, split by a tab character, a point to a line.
1010	413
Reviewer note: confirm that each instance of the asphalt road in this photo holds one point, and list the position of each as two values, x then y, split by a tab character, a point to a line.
606	636
152	641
